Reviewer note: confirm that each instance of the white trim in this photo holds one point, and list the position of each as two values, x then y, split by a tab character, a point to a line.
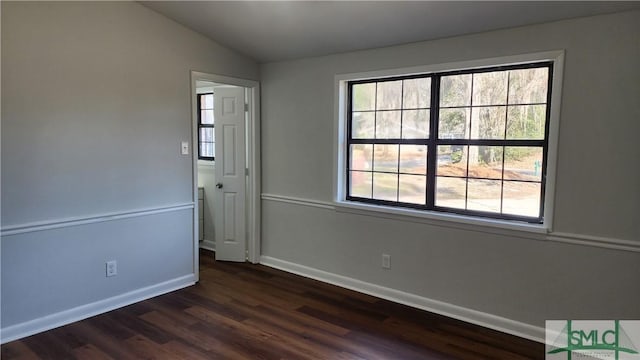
340	133
208	245
568	238
223	80
457	222
597	241
206	164
490	321
299	201
254	222
195	222
554	135
65	317
253	165
84	220
440	218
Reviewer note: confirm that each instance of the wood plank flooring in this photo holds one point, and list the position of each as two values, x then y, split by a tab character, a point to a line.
246	311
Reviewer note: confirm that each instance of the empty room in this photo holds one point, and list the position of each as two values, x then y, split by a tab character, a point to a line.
320	180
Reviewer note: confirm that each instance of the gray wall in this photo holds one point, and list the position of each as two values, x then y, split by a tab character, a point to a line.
526	280
95	103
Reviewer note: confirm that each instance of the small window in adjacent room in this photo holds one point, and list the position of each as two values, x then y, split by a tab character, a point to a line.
206	130
472	142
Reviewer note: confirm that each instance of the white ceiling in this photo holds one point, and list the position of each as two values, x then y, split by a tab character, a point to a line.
278	30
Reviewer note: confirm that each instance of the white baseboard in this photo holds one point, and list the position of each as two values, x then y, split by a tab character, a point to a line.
208	245
490	321
21	330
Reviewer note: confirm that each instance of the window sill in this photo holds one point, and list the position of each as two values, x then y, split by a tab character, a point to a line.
208	163
537	231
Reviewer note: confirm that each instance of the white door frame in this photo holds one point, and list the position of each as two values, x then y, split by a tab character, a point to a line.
253	163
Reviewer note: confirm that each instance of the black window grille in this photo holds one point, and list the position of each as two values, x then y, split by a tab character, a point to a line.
206	127
471	142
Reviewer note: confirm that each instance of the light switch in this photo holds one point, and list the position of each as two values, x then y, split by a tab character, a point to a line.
185	148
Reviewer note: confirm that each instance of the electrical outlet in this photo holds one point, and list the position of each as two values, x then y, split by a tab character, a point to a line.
386	261
112	268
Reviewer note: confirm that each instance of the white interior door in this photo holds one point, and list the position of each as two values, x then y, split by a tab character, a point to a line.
229	198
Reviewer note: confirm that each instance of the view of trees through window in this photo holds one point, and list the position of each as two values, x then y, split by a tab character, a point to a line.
206	130
471	142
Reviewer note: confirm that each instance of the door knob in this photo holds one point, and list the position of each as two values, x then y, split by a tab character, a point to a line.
219	185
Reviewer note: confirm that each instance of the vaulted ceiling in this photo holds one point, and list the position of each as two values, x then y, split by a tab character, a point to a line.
277	30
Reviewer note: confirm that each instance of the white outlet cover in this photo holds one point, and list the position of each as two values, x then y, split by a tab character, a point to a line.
185	148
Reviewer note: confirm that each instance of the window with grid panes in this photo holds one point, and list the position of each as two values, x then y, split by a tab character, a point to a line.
471	142
206	130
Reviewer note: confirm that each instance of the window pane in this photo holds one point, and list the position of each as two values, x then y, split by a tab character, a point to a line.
485	162
521	198
360	185
455	90
415	124
483	118
523	163
385	186
361	157
454	123
484	195
207	101
413	189
417	93
452	160
490	88
388	124
364	97
207	134
526	122
206	117
385	158
450	192
363	125
207	149
488	122
528	86
389	95
413	159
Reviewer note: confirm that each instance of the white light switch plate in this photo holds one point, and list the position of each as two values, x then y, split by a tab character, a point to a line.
185	148
112	268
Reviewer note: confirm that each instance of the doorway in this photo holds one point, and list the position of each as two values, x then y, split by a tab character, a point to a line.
226	167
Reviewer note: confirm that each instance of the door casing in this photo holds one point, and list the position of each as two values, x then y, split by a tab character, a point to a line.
253	161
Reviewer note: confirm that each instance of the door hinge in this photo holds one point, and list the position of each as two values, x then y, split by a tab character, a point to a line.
246	107
246	172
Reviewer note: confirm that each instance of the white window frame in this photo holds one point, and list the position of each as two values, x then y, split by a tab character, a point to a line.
340	150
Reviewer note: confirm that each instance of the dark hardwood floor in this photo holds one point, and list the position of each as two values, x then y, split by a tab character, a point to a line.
245	311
